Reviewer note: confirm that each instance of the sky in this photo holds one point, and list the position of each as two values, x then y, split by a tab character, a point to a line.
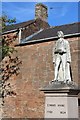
61	12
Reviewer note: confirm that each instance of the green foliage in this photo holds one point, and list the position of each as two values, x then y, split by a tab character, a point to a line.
7	21
5	49
10	64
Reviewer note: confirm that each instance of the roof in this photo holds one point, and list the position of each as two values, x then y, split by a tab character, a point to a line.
17	26
50	33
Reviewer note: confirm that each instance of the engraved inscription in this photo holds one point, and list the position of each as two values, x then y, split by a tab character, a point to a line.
62	112
49	111
53	105
60	105
56	105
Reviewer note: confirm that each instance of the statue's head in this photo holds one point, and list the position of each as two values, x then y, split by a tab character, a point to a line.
60	34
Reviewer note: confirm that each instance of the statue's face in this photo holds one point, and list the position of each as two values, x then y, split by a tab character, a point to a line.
60	34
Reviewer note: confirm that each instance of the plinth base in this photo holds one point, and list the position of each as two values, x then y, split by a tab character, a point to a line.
61	101
61	106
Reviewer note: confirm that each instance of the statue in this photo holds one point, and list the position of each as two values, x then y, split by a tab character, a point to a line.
62	59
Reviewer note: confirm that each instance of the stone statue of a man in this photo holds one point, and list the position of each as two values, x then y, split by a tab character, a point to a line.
62	58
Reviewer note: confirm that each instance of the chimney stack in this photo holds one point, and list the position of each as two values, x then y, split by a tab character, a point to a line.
41	11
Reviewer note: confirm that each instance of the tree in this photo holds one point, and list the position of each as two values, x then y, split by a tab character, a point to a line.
5	45
7	21
9	64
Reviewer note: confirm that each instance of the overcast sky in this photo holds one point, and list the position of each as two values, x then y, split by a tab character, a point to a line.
59	13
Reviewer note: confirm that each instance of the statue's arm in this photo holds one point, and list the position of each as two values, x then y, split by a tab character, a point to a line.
53	53
68	53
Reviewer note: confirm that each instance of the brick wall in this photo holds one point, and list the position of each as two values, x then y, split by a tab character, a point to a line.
36	71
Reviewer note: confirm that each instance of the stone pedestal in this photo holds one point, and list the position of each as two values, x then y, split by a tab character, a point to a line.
61	101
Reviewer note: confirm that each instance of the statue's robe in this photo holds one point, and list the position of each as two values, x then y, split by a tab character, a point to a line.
62	46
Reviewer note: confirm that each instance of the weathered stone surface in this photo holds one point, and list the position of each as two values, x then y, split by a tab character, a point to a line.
61	100
61	106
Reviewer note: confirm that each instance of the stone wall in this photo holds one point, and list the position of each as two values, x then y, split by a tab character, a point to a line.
41	11
36	71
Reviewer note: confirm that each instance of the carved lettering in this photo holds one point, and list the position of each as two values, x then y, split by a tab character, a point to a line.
49	111
51	105
61	105
62	112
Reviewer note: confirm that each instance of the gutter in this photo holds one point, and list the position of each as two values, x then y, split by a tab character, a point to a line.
46	39
9	31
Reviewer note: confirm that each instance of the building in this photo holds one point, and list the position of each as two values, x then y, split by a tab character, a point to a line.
30	27
34	48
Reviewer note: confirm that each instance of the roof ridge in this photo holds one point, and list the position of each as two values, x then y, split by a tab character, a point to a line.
67	24
51	27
